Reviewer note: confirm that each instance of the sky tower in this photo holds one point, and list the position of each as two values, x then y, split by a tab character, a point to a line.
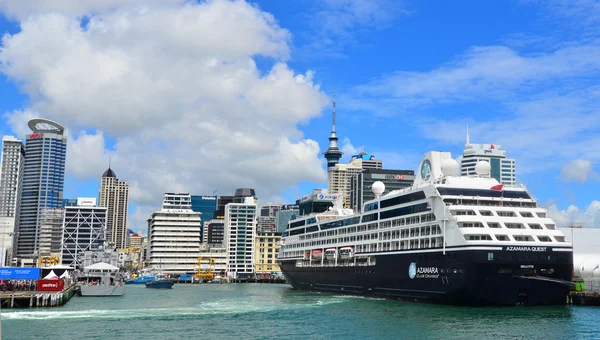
333	153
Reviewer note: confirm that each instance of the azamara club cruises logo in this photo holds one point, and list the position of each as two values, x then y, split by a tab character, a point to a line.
412	270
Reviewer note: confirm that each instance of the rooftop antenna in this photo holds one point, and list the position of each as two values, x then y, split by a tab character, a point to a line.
468	139
333	115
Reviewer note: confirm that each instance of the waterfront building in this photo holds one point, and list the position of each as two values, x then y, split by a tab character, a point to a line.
367	161
222	201
339	180
317	202
287	212
361	183
42	182
266	249
214	231
207	205
11	172
84	228
51	232
174	235
240	231
502	168
114	196
333	153
266	224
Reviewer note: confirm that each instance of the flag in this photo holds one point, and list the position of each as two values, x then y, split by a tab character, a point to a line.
497	187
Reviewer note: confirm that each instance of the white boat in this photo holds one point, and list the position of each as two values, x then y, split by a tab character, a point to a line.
101	279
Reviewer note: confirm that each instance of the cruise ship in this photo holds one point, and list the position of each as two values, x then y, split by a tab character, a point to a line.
463	240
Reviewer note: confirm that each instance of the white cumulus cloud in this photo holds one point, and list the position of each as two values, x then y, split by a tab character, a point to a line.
172	94
588	217
579	170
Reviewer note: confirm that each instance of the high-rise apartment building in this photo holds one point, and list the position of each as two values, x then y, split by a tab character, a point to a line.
11	172
339	180
360	189
84	228
174	235
501	168
240	231
114	196
42	182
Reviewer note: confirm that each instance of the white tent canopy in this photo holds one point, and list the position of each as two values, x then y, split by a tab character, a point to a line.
52	275
59	266
65	274
101	266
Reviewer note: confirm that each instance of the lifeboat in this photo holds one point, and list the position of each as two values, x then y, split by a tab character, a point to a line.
346	253
330	253
317	254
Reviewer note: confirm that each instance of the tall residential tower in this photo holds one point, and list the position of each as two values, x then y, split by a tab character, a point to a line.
11	170
42	182
114	196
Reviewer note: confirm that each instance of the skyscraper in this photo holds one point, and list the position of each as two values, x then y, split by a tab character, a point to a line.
502	168
114	196
339	179
11	171
42	182
333	153
240	232
207	205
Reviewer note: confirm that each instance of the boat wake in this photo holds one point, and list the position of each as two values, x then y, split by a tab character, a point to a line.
222	307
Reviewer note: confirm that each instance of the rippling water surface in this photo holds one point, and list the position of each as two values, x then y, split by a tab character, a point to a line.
254	311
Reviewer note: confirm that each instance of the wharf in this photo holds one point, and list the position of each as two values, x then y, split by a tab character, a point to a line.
585	298
32	299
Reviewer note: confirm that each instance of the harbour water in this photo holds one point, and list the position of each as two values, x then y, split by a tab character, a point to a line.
267	311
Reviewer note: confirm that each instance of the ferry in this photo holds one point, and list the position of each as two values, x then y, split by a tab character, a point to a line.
462	240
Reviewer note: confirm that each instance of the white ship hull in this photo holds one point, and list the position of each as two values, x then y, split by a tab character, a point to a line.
102	290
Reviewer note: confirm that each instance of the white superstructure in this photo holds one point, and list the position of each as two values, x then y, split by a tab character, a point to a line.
441	210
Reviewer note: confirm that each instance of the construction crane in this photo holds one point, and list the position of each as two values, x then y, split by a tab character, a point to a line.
206	266
48	261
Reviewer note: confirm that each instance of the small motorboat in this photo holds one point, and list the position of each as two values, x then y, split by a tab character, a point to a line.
159	281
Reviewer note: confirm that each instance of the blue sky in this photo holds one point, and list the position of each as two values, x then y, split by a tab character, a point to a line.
409	76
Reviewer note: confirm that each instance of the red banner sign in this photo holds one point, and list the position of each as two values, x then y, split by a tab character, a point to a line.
51	285
35	136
